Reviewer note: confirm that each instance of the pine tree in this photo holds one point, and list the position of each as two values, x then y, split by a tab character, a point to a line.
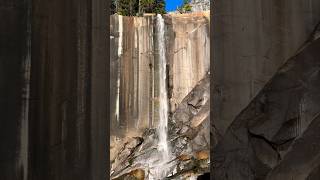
128	7
152	6
160	7
135	7
147	6
113	7
185	7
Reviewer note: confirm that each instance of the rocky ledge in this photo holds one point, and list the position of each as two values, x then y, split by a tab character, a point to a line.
188	136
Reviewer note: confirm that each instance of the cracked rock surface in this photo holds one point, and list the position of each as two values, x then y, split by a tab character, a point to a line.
276	136
188	136
135	68
200	5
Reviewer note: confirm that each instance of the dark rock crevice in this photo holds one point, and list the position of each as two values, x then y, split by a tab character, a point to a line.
266	136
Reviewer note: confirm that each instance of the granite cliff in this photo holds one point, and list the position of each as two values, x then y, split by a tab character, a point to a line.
138	46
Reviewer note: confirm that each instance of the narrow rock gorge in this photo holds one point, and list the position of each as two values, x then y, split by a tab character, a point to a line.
264	86
157	61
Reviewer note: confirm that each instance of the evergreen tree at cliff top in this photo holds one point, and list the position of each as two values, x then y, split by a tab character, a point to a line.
152	6
160	7
127	7
185	7
135	7
113	6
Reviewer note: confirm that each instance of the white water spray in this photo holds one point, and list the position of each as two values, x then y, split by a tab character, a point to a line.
163	146
118	70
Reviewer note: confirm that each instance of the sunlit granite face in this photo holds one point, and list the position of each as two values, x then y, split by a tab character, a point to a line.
200	5
135	70
151	61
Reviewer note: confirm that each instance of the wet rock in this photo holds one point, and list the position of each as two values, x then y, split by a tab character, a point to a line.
202	155
137	174
184	157
189	142
124	157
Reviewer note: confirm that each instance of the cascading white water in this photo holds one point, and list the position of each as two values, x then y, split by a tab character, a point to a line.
158	164
163	108
118	70
163	146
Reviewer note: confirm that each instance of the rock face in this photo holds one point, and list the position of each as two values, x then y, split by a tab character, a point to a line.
268	138
200	5
68	104
52	64
135	66
276	136
131	62
188	53
189	139
14	88
252	39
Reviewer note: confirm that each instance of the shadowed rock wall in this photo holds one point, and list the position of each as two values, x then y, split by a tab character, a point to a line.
53	72
276	136
252	38
14	88
59	115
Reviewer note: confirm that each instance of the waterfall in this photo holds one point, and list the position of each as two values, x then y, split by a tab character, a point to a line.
158	163
118	70
163	146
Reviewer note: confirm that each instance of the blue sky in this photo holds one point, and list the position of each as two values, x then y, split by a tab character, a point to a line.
171	5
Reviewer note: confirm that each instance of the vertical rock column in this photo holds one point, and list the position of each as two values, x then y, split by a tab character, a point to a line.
126	72
135	58
53	72
14	88
68	107
145	70
114	68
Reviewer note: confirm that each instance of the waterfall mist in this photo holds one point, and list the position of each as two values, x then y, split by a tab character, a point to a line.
163	146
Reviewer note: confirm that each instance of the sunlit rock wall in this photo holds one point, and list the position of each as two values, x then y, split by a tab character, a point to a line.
135	66
131	51
188	53
200	5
